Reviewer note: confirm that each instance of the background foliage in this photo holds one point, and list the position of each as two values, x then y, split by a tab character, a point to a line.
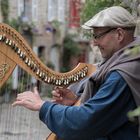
92	7
5	10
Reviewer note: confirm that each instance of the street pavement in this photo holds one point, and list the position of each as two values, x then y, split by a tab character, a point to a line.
19	123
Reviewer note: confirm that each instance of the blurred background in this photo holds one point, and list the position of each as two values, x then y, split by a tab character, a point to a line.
53	30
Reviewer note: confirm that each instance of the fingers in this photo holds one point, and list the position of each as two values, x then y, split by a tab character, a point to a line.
25	97
29	100
35	90
20	100
58	87
56	95
17	103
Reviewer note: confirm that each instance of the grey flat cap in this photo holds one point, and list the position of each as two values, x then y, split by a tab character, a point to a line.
115	16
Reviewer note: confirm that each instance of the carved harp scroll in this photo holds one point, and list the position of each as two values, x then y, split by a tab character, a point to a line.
14	50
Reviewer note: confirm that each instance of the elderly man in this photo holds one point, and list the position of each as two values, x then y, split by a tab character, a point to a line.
108	95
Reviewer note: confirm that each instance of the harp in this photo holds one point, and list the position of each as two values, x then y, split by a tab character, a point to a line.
14	50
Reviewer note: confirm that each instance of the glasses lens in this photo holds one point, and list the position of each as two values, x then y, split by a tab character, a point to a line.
103	33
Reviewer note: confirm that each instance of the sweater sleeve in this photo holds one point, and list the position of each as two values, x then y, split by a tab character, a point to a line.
103	113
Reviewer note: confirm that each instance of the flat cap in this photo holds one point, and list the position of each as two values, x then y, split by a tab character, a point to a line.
115	16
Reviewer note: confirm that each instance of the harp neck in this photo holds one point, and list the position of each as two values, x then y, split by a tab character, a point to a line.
16	51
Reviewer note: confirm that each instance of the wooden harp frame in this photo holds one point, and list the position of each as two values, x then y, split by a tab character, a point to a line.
14	50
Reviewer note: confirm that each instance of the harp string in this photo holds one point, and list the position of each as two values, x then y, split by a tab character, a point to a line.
29	136
20	111
5	118
18	123
15	110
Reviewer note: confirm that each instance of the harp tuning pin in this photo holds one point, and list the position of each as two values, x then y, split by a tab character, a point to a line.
40	74
65	82
1	37
43	76
4	37
48	79
57	82
10	43
26	60
21	54
38	71
79	74
74	78
32	65
86	70
18	51
13	42
84	73
7	41
52	79
15	47
29	63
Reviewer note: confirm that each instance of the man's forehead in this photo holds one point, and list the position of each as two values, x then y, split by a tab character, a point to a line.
100	29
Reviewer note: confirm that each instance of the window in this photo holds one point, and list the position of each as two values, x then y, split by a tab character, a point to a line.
56	10
34	10
20	7
61	10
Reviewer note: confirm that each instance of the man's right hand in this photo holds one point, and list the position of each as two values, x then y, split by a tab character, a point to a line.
64	96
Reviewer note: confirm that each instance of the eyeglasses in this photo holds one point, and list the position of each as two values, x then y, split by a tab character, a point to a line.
102	34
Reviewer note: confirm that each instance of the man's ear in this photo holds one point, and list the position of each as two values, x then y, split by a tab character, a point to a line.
120	34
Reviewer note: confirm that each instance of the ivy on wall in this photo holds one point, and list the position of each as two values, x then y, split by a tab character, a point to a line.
91	7
5	10
70	48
